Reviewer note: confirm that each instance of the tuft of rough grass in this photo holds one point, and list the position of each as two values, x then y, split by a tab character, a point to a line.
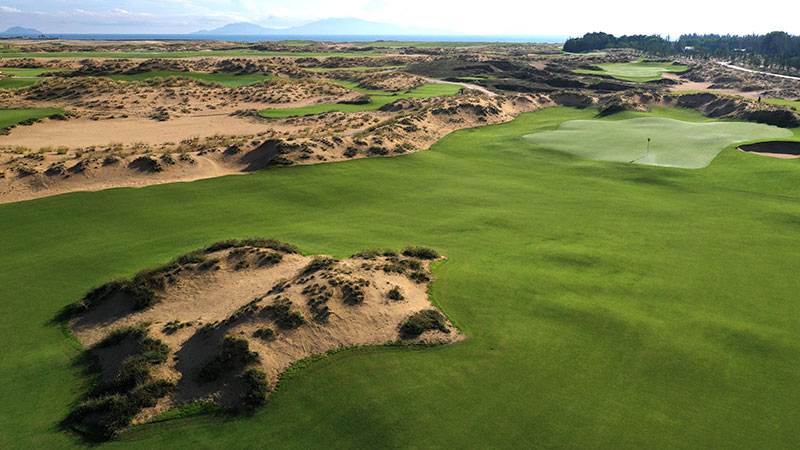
421	252
422	321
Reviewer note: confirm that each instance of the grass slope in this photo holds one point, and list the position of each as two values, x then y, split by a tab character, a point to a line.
379	98
225	79
673	143
10	117
608	305
635	71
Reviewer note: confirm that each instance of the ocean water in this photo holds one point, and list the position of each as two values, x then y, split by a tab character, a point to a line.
321	38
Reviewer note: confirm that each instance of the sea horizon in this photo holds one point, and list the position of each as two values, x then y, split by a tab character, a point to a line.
539	39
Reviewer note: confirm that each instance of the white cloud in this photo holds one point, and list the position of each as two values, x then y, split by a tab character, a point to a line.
9	9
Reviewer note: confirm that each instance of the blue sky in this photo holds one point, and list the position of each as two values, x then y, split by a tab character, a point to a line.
528	17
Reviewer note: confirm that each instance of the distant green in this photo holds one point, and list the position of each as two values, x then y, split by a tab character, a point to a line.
673	143
10	117
635	71
378	98
225	79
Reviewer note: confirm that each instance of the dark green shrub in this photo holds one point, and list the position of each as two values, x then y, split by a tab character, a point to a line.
273	244
232	352
254	392
419	277
375	150
395	294
118	335
269	258
352	294
281	313
318	264
195	257
422	321
117	401
394	268
421	252
350	152
265	333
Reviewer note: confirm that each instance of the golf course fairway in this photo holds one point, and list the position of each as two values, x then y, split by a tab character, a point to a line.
607	305
655	141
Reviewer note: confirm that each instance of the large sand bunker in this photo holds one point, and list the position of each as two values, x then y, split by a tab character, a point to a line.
221	324
776	149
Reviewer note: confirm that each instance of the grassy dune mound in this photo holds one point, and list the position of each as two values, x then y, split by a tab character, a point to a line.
221	324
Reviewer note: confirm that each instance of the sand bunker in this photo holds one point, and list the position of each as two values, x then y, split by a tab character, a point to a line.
775	149
202	326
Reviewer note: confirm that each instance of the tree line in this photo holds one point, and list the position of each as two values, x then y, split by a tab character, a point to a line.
772	49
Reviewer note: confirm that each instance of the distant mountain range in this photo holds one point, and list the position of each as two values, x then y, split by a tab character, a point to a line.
320	27
21	32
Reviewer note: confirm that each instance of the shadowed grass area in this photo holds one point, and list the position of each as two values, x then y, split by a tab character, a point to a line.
225	79
635	71
607	305
377	99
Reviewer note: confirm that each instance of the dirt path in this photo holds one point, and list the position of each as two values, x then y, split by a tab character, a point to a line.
743	69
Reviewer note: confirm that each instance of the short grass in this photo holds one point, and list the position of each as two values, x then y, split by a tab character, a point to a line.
10	117
22	77
225	79
378	99
189	54
635	71
17	83
782	102
27	72
607	305
672	143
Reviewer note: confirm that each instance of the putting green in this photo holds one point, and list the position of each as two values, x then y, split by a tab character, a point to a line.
635	71
673	143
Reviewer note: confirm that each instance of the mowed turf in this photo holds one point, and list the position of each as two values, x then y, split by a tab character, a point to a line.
607	305
10	117
225	79
635	71
22	77
672	143
378	99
